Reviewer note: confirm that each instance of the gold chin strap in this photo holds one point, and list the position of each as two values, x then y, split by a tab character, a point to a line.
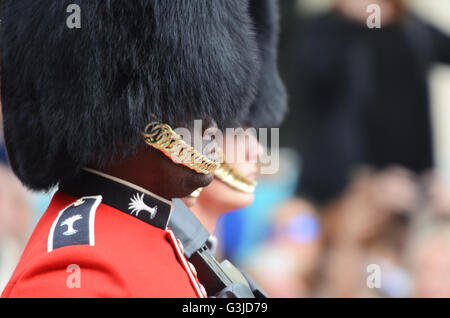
234	178
162	137
196	193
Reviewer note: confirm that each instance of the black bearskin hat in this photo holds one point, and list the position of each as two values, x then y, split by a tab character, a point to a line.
270	105
74	96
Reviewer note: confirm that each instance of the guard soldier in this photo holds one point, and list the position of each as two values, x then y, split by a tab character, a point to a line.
79	108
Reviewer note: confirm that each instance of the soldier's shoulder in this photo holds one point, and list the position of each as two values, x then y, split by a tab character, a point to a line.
114	253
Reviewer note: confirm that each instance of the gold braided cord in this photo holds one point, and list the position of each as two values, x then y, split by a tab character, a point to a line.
162	137
235	179
196	193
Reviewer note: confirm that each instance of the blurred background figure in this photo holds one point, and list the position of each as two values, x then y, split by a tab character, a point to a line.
370	94
286	264
16	218
220	197
3	158
244	230
369	225
429	259
19	212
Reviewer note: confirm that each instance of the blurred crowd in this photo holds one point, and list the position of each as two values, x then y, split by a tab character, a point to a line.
389	219
358	208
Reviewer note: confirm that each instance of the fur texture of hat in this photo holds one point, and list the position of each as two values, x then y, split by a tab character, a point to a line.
77	96
270	105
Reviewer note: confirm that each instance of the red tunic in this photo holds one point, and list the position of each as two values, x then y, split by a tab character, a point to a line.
129	258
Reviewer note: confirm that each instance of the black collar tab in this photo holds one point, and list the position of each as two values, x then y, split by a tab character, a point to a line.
121	195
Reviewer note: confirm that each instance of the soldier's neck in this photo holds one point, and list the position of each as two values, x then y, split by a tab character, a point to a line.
207	214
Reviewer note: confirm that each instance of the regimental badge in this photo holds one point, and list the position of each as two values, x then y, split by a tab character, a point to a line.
75	224
138	205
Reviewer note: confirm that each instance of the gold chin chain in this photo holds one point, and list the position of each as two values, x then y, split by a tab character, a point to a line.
196	193
235	179
162	137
